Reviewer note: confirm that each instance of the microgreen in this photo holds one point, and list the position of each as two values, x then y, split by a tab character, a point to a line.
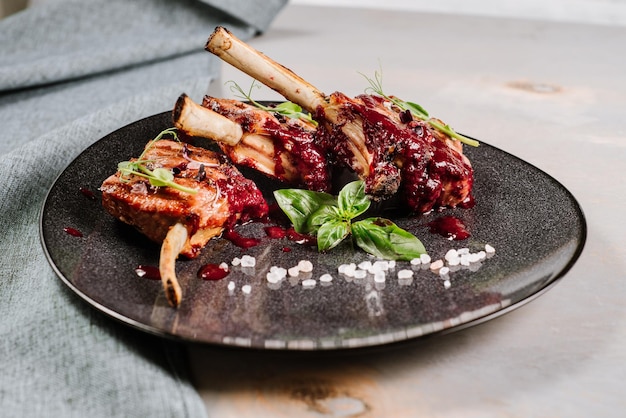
287	109
158	177
376	87
331	220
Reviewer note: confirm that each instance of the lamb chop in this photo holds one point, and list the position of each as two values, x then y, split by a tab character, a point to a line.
283	148
204	196
393	152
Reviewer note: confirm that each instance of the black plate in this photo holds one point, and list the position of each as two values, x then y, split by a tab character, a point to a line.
533	222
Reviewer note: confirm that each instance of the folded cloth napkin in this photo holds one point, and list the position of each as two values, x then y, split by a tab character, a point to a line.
70	72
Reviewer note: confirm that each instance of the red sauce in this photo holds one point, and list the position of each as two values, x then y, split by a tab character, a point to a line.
148	272
286	249
449	227
303	239
73	232
212	272
87	193
275	232
239	241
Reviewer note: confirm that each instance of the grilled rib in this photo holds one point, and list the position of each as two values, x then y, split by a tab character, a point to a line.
283	148
184	222
393	153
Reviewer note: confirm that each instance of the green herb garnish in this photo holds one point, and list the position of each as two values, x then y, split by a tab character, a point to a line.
158	177
376	86
287	109
330	218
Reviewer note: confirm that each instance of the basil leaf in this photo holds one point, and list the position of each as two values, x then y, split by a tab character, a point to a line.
352	199
299	205
384	239
323	214
331	233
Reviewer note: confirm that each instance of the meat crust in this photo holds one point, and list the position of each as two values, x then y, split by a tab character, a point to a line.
223	196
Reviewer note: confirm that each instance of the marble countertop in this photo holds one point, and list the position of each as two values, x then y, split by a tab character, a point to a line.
550	93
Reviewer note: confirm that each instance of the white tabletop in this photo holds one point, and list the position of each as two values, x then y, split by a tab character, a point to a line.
551	93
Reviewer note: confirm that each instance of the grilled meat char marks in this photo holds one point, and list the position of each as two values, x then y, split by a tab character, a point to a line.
223	196
289	144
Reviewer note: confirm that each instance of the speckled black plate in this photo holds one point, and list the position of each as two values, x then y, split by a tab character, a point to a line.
533	222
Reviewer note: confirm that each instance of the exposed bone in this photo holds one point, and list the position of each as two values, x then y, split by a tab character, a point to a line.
254	150
295	89
170	249
196	120
243	57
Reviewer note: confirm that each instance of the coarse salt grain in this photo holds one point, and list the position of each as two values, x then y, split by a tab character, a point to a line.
462	251
223	266
293	271
451	254
326	278
231	286
360	274
447	284
379	277
248	261
365	265
236	261
489	249
380	265
273	277
425	258
416	261
405	274
391	264
444	271
305	266
308	283
246	288
436	265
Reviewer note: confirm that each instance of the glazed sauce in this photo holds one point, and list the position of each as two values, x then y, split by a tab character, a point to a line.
240	241
278	232
212	272
450	227
148	272
275	232
87	193
73	232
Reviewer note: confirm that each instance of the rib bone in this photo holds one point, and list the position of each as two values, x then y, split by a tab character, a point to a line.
196	120
295	89
252	146
243	57
172	246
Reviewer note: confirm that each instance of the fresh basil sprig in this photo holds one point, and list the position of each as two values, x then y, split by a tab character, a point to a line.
330	218
376	86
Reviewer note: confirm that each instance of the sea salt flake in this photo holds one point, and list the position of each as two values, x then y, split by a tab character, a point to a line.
405	274
308	283
305	266
326	278
436	265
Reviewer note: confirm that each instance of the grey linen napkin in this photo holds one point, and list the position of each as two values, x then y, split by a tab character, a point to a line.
71	72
